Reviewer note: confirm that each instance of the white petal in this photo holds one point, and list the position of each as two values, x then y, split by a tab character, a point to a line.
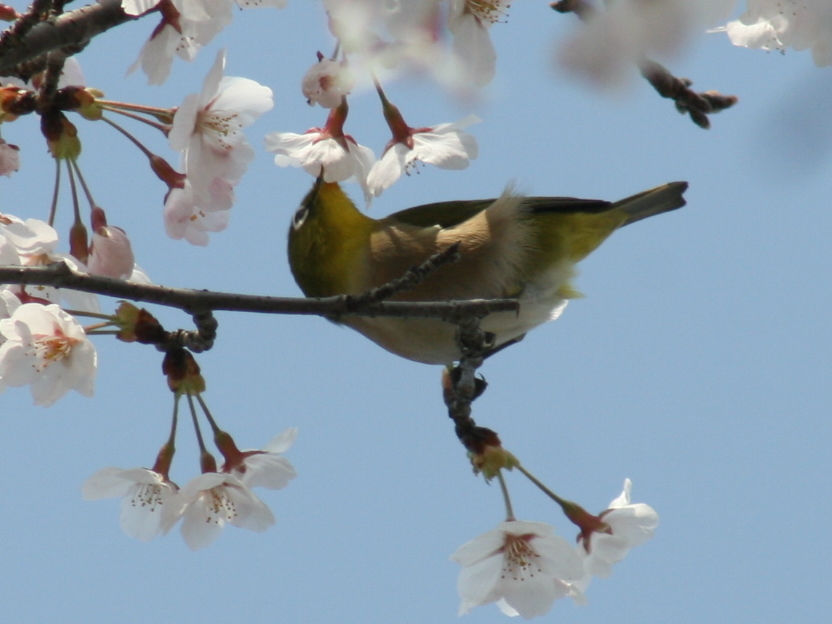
282	441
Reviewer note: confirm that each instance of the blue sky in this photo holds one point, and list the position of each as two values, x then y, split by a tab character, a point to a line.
697	365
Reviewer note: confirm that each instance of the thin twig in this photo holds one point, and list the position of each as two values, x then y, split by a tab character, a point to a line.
414	276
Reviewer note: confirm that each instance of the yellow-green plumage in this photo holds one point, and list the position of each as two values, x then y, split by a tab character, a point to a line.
523	247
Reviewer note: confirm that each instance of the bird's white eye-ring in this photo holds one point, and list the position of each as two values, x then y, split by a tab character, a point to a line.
300	217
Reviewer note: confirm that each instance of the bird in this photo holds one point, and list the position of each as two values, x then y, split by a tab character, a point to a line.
516	247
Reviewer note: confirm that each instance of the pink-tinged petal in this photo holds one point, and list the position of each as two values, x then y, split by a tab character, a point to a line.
111	254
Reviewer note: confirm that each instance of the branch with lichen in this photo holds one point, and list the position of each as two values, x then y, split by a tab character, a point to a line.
24	45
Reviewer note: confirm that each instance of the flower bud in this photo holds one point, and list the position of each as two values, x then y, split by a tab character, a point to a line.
138	325
182	372
61	135
78	241
111	254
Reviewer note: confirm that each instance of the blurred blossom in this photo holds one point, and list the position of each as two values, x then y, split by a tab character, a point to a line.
630	525
327	82
524	565
446	146
781	24
388	35
145	495
214	499
611	43
47	349
207	128
470	21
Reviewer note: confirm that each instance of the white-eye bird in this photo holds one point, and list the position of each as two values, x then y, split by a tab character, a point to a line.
511	247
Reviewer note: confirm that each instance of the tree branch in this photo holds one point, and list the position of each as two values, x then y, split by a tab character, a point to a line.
195	301
72	29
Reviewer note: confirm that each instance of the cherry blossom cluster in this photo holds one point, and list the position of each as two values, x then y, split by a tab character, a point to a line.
524	567
152	504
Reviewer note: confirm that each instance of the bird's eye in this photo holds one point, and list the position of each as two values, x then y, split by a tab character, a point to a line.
300	217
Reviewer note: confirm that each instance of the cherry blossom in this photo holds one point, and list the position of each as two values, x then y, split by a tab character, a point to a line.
47	349
265	468
145	494
326	83
781	24
522	563
446	146
214	499
34	242
629	525
30	237
389	35
207	128
185	217
338	158
470	21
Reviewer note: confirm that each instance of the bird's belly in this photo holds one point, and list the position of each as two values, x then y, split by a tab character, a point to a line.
433	341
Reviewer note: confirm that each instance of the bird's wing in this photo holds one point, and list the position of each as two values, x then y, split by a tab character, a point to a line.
565	205
443	214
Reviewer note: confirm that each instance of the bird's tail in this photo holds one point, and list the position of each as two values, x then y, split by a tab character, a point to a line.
655	201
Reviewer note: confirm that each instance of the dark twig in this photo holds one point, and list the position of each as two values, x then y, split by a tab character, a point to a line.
194	301
202	339
697	105
14	33
414	276
461	386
